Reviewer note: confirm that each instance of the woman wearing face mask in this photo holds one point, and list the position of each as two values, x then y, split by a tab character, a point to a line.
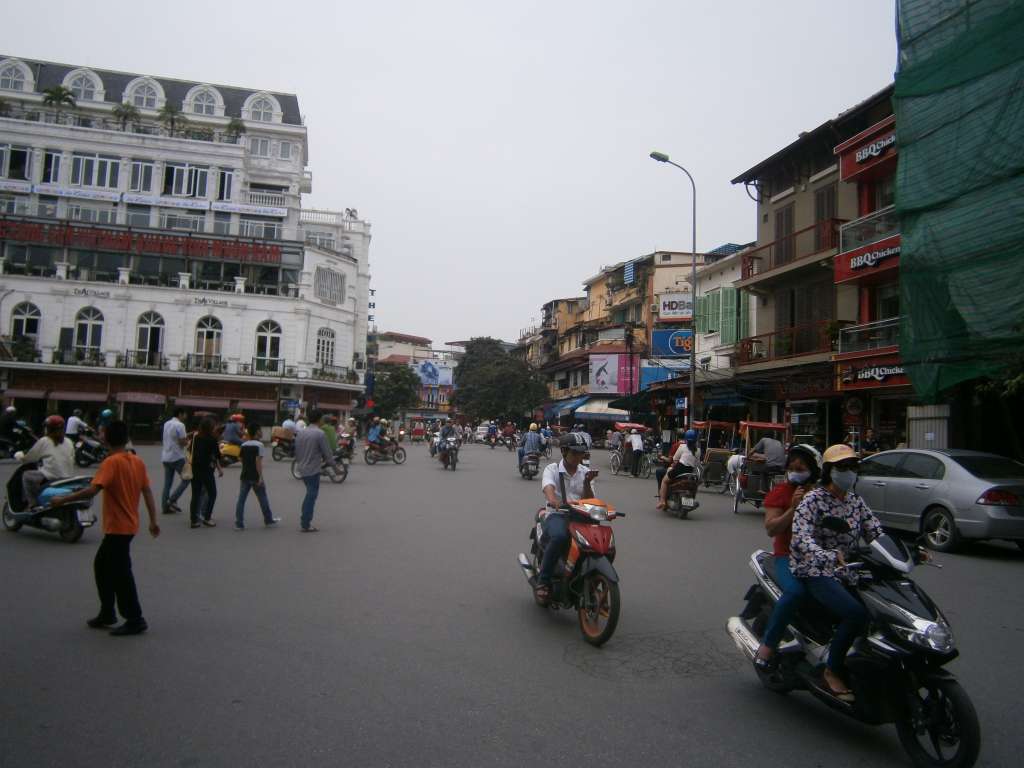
819	554
803	467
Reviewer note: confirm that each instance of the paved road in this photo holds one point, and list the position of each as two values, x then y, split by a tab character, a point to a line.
403	634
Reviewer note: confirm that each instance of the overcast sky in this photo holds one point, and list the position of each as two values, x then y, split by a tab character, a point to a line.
500	149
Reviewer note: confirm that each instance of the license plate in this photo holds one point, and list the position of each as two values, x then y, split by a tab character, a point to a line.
86	517
688	502
345	460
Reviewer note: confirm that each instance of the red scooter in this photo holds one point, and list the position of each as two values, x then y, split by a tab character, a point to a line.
585	579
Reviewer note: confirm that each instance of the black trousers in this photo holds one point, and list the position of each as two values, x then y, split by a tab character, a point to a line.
114	579
637	455
201	483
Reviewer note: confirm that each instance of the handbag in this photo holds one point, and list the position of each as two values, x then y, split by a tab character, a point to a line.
186	471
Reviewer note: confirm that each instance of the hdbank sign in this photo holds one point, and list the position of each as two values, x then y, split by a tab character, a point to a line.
671	342
433	373
675	306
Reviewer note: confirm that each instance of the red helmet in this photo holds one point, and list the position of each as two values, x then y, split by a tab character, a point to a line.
237	417
54	422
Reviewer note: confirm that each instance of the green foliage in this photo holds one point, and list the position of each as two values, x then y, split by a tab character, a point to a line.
1009	385
235	127
59	97
490	384
126	113
173	118
396	388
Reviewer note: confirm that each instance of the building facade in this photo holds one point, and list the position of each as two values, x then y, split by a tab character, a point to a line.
154	250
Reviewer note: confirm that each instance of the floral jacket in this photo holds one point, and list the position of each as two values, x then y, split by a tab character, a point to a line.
814	548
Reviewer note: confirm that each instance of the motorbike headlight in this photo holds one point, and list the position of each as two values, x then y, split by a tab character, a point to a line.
596	511
935	636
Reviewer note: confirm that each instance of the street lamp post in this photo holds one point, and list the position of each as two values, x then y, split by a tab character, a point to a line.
661	157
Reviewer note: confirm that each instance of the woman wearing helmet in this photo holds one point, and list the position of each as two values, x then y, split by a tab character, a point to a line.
819	553
803	468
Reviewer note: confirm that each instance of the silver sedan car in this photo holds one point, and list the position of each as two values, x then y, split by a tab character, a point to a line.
949	495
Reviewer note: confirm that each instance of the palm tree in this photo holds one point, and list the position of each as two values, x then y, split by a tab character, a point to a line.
59	97
235	128
126	113
172	118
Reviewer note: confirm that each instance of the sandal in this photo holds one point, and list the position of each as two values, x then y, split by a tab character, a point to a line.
843	694
542	594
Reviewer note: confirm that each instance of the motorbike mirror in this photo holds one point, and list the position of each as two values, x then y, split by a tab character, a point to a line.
835	524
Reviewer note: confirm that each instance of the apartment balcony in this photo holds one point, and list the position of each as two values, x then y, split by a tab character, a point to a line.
194	363
802	248
787	343
271	199
90	356
22	349
142	359
267	366
324	372
870	337
869	229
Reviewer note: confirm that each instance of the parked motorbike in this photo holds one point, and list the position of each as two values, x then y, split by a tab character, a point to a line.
89	450
896	672
391	452
450	453
21	439
585	579
530	465
682	494
69	521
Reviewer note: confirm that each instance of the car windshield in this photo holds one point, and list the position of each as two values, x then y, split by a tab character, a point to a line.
990	467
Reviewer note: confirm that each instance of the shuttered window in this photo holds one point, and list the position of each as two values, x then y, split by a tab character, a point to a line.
728	322
744	327
714	311
702	317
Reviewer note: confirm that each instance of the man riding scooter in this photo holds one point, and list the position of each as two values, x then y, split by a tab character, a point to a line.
533	442
683	461
54	455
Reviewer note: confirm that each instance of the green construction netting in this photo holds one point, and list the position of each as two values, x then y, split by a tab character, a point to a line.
959	104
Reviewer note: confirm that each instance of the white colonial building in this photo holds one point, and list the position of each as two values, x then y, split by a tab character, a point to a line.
154	250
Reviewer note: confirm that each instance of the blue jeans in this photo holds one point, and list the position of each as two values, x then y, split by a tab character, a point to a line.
793	592
853	617
261	495
172	468
312	491
556	534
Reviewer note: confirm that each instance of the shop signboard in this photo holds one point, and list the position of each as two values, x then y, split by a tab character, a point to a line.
433	373
805	387
671	342
867	149
872	373
676	306
868	259
83	193
610	374
651	373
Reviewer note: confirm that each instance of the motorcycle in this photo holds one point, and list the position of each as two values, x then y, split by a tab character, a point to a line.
530	466
585	579
391	452
230	453
283	449
346	447
492	440
69	521
89	450
450	453
21	439
896	672
511	442
338	475
682	494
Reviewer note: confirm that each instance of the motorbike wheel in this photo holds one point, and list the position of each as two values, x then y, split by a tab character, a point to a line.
10	523
646	466
295	470
71	532
81	460
951	736
337	475
399	456
599	613
369	457
616	463
278	453
453	461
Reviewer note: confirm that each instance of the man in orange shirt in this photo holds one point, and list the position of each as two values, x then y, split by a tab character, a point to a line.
122	478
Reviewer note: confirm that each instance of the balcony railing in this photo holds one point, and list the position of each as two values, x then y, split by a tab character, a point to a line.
264	230
869	229
79	356
182	222
194	363
817	238
326	372
141	358
877	335
805	339
275	199
263	366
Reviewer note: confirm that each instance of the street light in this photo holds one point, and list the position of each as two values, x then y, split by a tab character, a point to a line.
661	157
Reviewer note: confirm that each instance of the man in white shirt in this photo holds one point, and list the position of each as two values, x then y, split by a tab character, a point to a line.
76	426
173	457
636	445
54	455
684	461
577	481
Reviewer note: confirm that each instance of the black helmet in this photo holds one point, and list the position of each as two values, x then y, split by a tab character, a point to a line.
573	441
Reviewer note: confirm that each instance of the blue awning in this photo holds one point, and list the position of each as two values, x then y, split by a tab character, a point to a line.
567	407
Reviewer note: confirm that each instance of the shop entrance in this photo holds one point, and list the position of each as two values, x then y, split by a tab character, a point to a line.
889	419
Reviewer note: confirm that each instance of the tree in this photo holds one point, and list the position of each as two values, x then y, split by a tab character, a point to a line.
173	118
59	97
489	383
126	113
396	388
235	128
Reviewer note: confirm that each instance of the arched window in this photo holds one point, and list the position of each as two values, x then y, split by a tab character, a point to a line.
325	346
149	340
83	88
268	347
25	319
88	332
204	103
144	96
12	78
208	337
261	110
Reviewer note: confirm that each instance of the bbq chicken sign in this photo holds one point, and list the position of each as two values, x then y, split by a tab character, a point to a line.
868	259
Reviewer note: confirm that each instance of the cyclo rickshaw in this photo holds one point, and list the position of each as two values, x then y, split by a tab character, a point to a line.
714	442
752	487
617	461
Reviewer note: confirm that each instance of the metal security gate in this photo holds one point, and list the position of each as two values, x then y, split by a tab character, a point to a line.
928	426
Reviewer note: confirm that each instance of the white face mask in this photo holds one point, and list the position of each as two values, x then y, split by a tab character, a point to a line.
798	478
844	479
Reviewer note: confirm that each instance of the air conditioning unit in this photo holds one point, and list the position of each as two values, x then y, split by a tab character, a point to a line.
654	308
360	365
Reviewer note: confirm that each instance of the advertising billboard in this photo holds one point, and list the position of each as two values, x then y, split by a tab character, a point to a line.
610	375
671	342
433	373
676	306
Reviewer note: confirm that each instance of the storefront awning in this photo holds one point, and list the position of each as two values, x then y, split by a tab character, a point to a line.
334	406
256	405
567	407
82	397
27	394
202	402
636	403
147	398
600	410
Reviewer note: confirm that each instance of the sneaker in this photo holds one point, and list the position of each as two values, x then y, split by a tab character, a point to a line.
194	525
173	507
239	527
310	529
136	627
101	622
167	510
209	523
272	523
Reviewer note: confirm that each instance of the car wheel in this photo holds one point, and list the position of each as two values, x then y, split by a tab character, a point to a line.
939	530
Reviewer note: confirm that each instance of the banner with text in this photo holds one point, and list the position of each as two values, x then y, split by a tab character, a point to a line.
671	342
